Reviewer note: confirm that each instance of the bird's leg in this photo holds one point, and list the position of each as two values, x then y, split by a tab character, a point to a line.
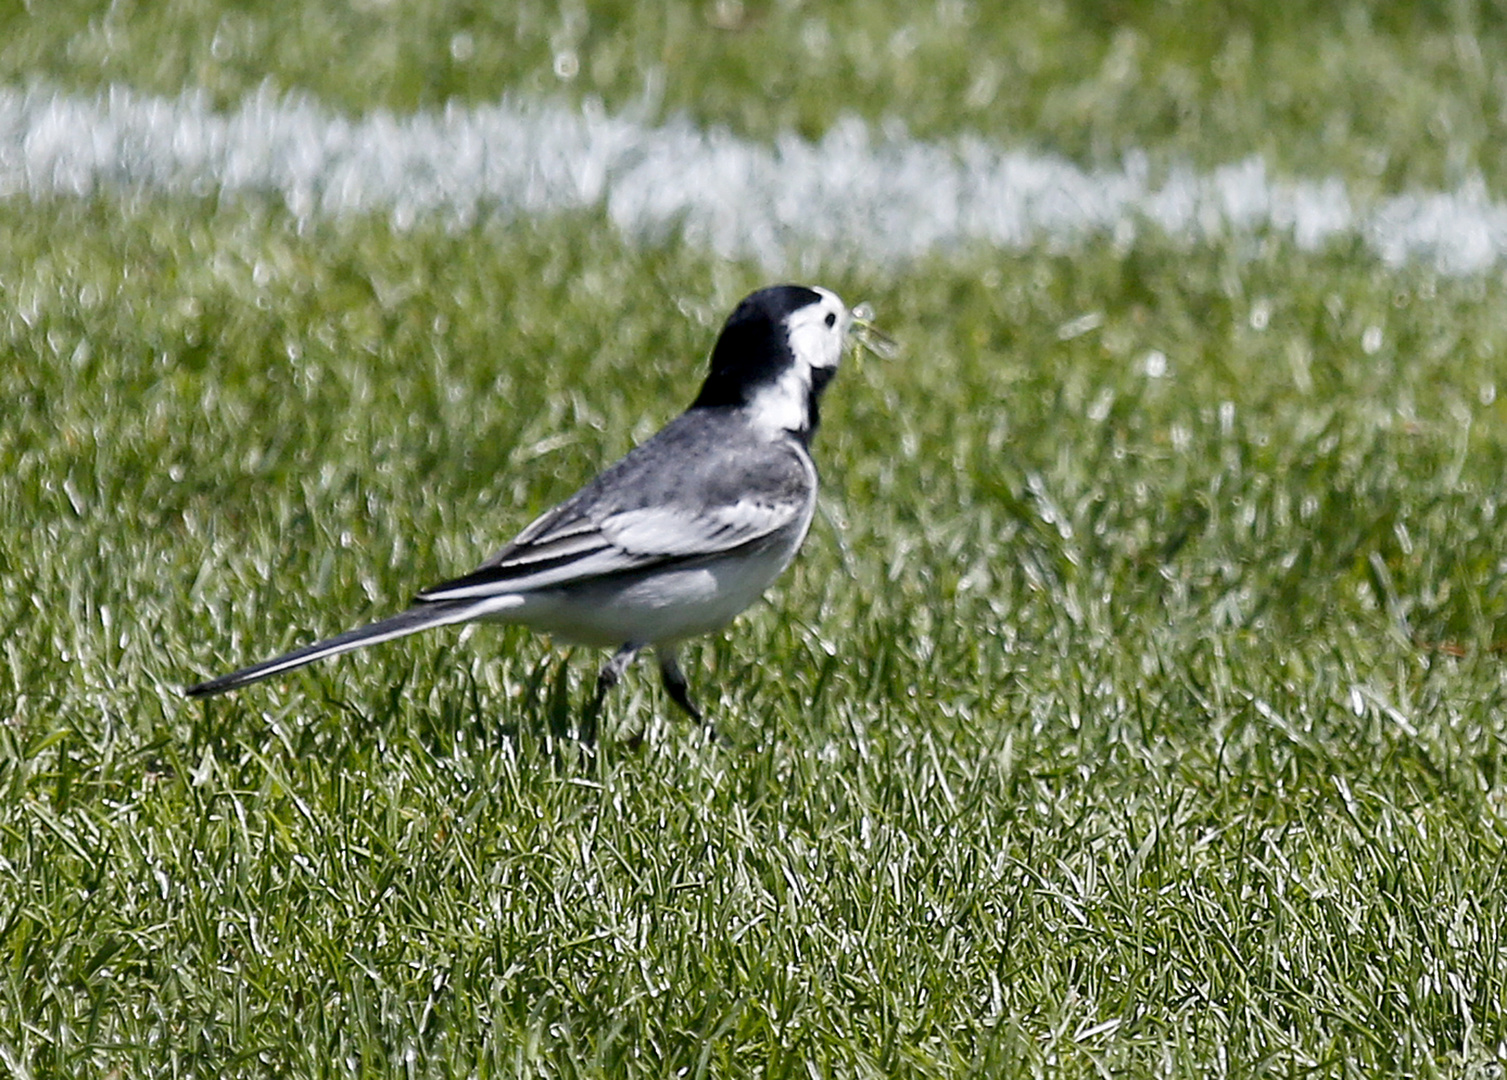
607	678
680	691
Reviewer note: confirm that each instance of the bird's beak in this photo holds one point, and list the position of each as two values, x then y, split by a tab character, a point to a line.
869	339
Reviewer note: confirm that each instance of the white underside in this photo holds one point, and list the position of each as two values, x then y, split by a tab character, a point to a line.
660	607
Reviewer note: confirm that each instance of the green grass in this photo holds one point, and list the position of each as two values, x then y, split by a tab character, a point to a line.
1391	96
1109	723
1137	706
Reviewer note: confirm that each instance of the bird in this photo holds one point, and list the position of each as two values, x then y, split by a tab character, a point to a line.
677	537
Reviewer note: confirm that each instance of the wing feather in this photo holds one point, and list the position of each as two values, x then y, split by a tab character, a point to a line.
628	540
683	495
677	531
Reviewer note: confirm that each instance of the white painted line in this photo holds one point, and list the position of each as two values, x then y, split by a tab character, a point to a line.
849	195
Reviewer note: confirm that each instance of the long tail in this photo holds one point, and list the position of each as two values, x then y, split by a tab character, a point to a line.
419	617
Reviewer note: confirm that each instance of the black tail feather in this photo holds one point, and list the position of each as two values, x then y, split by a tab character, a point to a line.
419	617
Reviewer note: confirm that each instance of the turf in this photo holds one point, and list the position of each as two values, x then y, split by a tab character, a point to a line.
1391	96
1136	706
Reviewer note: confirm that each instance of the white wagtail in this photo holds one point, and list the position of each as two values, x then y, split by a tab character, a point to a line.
676	538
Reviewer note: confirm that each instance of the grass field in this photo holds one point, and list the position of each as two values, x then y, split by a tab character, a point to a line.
1135	708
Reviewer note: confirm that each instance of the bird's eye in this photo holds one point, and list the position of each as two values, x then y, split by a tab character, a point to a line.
831	319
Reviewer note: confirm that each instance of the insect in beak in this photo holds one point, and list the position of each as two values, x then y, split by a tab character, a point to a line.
867	337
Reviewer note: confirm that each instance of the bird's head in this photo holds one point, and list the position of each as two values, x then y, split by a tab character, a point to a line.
777	352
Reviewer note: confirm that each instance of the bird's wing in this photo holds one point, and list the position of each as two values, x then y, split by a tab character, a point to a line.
679	532
694	490
628	540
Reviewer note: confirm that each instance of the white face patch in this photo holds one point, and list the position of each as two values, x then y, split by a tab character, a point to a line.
816	334
817	331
